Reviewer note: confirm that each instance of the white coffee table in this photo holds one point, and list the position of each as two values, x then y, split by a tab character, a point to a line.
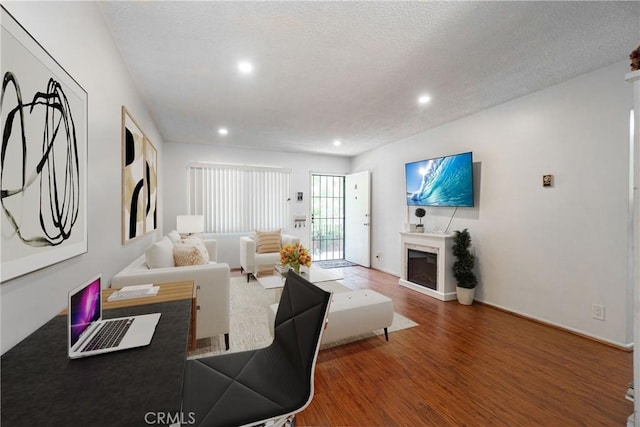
318	274
313	274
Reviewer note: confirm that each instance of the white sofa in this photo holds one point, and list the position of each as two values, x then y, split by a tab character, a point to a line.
252	262
212	285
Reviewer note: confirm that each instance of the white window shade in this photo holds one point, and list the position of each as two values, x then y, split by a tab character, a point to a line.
238	199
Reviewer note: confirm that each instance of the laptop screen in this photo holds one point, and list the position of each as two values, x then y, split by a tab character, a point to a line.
84	308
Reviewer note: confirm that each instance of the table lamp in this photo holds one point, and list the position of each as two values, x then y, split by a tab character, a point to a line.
189	224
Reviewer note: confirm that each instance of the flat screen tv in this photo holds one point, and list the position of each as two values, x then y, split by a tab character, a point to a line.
441	181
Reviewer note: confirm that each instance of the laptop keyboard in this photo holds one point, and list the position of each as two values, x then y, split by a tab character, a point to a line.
109	335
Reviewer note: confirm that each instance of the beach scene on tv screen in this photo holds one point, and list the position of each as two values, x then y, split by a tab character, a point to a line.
443	181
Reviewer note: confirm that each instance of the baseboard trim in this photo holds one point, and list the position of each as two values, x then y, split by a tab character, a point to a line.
616	345
392	273
613	344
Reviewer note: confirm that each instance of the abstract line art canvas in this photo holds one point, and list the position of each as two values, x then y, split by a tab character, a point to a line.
133	181
43	166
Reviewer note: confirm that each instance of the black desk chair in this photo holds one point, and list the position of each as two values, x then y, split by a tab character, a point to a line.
270	384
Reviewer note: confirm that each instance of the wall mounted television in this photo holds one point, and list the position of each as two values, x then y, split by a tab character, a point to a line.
441	181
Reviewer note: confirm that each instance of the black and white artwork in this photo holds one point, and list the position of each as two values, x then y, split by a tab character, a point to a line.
151	186
133	194
139	181
43	164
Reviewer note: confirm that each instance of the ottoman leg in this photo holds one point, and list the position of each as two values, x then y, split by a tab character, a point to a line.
386	334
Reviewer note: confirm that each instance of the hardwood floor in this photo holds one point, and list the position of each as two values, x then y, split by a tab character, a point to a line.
466	365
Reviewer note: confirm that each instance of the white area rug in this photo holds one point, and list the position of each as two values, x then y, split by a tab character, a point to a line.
249	319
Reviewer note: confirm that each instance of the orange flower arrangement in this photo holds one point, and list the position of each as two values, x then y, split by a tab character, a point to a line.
294	256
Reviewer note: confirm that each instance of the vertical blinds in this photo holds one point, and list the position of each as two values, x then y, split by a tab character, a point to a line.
239	199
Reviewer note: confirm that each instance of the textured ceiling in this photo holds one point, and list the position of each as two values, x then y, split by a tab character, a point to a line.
352	70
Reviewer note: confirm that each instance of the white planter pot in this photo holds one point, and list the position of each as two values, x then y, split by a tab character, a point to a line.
465	296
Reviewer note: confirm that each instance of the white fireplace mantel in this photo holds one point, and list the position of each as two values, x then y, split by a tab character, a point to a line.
433	243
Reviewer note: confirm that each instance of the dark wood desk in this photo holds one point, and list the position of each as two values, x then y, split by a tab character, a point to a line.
40	386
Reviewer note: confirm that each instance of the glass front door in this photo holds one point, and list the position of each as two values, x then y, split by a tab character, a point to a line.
327	217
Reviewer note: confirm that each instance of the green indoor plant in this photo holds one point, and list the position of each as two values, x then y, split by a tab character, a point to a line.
463	267
420	213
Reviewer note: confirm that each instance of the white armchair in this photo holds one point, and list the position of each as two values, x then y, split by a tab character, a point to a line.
212	286
252	262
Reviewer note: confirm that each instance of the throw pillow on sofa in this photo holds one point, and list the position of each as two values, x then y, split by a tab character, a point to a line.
190	253
199	243
160	254
268	241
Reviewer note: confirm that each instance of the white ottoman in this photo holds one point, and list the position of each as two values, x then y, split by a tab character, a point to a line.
352	313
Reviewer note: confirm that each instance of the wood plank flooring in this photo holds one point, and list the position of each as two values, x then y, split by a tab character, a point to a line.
466	366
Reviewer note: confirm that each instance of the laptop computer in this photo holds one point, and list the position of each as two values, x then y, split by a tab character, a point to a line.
89	334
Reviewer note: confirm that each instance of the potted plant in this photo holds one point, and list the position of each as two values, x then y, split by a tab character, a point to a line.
420	213
463	267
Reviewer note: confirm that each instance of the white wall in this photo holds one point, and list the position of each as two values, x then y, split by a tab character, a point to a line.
548	253
178	156
74	33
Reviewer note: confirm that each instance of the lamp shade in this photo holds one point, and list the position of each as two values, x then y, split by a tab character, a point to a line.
187	224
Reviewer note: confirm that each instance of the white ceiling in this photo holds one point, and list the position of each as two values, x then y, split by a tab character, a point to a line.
352	70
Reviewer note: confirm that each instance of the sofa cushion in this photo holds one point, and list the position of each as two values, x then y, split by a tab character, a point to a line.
189	253
268	241
160	254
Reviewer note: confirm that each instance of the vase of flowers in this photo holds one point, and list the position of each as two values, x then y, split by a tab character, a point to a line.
295	256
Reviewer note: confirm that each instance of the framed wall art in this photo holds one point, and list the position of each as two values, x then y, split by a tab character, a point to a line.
139	181
133	195
151	186
43	170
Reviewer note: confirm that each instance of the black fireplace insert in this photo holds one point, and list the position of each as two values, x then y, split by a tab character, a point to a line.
422	268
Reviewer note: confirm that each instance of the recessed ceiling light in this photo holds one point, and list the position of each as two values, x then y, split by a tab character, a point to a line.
223	131
337	142
245	67
424	99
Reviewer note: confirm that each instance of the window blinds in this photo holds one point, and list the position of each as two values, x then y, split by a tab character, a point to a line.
239	199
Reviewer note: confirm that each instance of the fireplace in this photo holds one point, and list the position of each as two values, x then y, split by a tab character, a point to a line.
426	264
422	268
